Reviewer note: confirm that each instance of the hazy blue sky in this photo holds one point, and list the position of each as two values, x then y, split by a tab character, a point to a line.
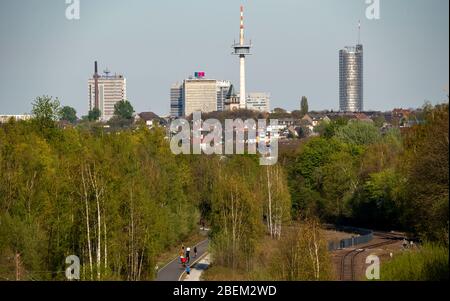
156	43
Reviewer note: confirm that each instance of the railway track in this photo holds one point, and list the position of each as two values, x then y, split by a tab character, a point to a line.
347	272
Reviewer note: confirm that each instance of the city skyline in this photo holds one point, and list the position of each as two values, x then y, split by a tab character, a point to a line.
406	59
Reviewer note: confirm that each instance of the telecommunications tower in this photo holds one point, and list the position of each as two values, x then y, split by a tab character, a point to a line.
242	49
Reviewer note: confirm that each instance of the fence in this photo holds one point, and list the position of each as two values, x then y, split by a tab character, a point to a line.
361	236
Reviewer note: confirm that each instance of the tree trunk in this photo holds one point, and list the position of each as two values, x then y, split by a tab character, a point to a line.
316	248
132	259
87	222
105	242
93	178
269	187
17	262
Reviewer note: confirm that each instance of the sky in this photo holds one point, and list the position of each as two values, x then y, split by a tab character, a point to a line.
157	43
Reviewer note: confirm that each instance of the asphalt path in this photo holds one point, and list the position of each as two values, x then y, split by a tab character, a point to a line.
173	270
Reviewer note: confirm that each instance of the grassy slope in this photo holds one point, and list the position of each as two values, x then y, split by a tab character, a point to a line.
429	263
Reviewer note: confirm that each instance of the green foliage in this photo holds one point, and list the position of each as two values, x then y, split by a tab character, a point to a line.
328	130
246	199
304	107
429	263
127	189
306	201
46	109
297	114
279	113
302	255
304	177
358	133
328	177
117	123
427	169
118	199
353	174
277	205
94	114
379	201
123	109
314	154
393	137
68	114
337	180
379	121
382	155
236	213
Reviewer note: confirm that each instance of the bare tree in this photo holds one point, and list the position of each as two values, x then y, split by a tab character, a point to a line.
88	232
278	201
98	193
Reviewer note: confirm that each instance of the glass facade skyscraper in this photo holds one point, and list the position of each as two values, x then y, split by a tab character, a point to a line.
176	100
351	79
223	86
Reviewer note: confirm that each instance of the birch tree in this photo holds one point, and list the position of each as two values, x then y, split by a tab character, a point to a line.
278	204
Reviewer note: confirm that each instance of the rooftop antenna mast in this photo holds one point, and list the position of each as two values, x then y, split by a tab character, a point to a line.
106	72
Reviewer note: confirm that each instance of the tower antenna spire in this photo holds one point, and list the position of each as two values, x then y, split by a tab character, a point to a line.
242	27
359	32
242	49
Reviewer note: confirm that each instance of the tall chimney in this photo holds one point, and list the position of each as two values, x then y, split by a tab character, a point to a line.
96	105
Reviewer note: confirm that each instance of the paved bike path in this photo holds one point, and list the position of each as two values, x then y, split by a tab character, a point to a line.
173	270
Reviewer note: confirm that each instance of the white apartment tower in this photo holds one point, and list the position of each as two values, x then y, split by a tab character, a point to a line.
105	91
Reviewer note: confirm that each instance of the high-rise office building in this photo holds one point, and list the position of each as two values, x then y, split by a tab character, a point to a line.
258	102
105	91
223	87
176	100
351	79
199	95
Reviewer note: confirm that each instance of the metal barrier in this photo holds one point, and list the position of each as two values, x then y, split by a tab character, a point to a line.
363	236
